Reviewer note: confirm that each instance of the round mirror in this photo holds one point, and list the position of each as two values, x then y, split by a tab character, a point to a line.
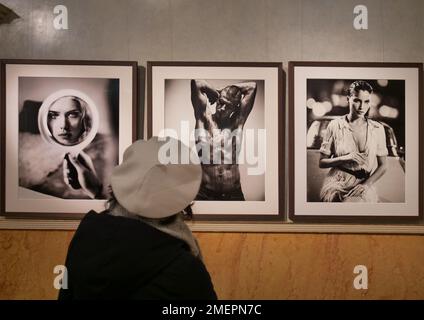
68	119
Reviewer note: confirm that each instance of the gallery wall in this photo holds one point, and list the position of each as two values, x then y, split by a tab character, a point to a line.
242	265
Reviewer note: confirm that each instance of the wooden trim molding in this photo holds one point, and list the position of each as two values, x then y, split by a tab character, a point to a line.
21	224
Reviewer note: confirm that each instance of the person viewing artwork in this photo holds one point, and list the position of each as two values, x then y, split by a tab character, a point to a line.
354	148
220	135
140	247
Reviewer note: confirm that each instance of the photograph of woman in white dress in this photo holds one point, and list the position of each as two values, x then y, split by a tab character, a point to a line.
353	154
354	147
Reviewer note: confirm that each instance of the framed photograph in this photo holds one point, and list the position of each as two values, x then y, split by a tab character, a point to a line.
231	116
356	141
64	126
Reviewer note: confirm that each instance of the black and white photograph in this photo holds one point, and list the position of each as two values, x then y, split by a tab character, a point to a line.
67	126
222	113
64	133
360	140
355	140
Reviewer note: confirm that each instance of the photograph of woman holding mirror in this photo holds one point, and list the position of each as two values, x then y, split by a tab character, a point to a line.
71	148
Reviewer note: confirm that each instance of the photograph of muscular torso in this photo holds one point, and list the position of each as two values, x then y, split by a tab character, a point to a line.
223	122
220	135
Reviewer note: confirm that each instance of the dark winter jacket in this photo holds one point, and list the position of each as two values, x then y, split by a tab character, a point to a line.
113	257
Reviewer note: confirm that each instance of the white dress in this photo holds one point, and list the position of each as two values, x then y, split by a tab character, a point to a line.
339	141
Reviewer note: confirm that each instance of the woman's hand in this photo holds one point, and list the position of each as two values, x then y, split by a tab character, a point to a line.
327	161
356	157
79	173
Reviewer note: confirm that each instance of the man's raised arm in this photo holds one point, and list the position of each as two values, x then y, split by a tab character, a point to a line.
248	91
201	92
